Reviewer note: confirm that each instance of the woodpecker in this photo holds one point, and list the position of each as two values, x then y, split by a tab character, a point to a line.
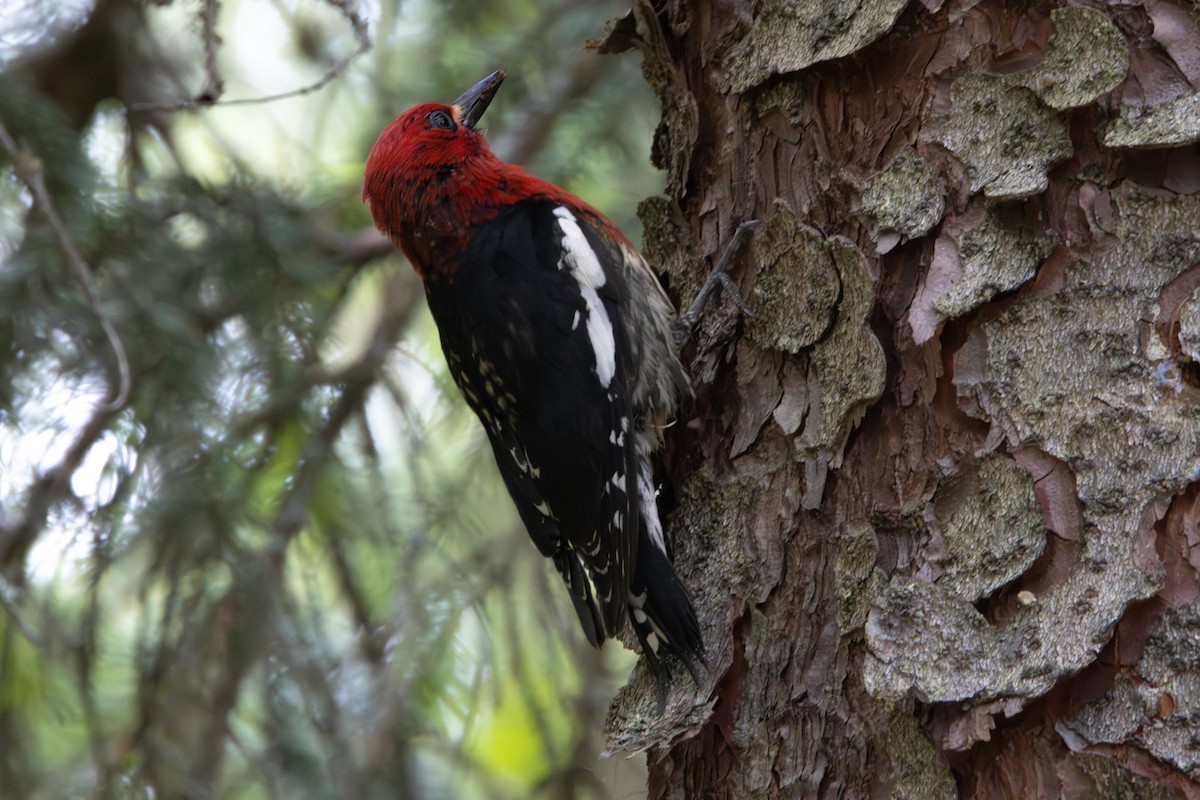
560	338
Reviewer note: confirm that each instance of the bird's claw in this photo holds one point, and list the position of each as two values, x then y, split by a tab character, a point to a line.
720	277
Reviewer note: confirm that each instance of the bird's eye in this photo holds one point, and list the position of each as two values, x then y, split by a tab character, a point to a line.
440	119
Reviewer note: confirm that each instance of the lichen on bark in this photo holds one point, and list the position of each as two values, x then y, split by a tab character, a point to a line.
846	373
918	772
1004	135
1084	36
1049	359
1166	124
796	284
985	527
925	635
977	256
857	580
664	235
1158	710
925	640
789	36
811	297
902	201
1067	372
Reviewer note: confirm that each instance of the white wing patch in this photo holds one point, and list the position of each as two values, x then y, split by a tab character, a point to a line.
580	260
649	505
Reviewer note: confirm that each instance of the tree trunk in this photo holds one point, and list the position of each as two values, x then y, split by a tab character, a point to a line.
937	499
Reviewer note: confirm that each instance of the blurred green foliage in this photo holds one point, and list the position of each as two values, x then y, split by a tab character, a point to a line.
283	566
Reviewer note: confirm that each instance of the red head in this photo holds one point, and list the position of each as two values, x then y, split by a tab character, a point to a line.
431	177
431	138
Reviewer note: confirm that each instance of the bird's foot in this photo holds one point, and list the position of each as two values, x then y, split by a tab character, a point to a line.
719	277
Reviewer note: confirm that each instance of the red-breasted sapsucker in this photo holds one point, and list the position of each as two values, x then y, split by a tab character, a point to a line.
560	338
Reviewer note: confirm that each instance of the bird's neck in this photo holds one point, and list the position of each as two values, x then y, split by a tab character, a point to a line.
438	207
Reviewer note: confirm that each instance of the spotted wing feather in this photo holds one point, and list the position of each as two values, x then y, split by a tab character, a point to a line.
552	393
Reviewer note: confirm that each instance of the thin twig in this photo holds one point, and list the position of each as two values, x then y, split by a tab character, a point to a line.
9	601
361	35
536	116
214	84
53	486
85	648
352	249
29	169
361	377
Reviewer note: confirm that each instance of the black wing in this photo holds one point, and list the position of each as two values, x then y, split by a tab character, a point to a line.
530	324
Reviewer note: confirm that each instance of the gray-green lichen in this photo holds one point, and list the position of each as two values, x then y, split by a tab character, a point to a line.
918	770
1173	123
1159	710
972	263
1088	57
1004	135
1170	667
787	97
901	201
924	634
795	286
985	528
675	137
995	257
818	365
856	578
845	376
924	639
789	36
1067	372
664	232
1113	718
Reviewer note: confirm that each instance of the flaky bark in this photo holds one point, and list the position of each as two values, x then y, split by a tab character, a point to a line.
938	498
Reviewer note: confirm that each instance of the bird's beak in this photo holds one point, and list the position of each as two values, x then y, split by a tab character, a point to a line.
474	101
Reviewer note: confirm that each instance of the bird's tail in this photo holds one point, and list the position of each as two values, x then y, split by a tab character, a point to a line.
661	612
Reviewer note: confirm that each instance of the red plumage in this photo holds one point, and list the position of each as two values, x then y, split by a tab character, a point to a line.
560	338
438	184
